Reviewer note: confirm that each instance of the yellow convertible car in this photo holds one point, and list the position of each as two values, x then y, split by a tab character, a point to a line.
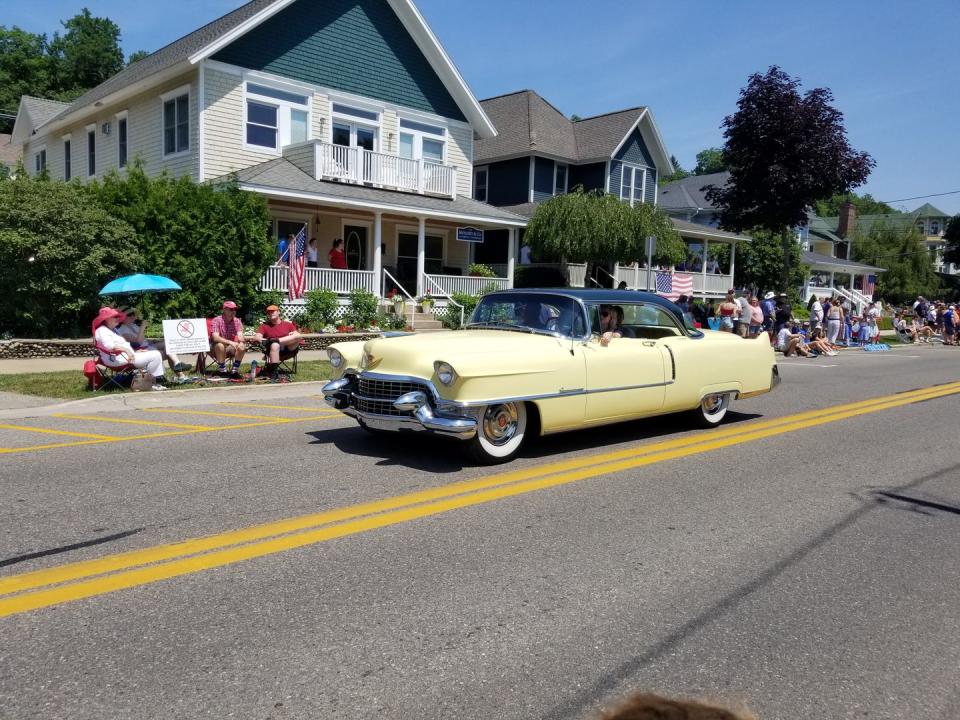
536	362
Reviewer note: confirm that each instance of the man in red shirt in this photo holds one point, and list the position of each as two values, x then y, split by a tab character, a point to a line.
279	337
226	338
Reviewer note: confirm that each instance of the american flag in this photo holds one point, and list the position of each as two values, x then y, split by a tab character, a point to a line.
298	263
870	285
673	285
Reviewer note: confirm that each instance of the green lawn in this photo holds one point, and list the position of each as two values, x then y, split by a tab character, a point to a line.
72	385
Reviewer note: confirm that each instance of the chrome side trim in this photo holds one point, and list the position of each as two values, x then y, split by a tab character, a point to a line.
673	364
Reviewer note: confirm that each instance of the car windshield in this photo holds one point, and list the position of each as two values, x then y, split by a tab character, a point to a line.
529	312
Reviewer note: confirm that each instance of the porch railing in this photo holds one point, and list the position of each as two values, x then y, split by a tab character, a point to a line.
711	284
340	281
431	285
576	273
465	284
357	165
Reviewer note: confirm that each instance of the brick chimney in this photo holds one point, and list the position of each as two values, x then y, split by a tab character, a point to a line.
848	220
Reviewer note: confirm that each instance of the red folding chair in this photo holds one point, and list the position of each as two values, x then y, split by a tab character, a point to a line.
102	376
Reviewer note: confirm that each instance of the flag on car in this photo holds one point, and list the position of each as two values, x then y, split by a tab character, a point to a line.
673	285
298	263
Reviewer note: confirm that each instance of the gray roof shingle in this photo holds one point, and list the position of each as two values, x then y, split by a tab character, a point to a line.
166	57
812	258
281	174
41	109
691	192
527	123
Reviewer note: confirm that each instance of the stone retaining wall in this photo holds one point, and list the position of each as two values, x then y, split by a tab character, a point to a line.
28	348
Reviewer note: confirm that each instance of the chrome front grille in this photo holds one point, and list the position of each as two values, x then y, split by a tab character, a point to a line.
376	396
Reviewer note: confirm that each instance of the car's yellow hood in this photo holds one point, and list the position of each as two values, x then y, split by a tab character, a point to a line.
470	352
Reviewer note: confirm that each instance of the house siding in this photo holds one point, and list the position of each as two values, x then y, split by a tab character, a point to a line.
508	182
591	177
144	137
543	171
635	151
381	60
651	190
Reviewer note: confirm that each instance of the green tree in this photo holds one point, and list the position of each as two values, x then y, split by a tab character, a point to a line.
87	54
865	205
213	240
909	267
137	56
760	264
598	228
25	69
710	161
678	173
952	236
59	244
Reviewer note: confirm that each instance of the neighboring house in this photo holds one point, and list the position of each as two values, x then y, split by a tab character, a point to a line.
539	153
687	198
929	221
347	115
10	152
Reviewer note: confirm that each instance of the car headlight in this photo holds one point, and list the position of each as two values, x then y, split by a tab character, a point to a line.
336	359
445	373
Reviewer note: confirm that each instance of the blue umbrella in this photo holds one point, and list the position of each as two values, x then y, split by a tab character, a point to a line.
139	283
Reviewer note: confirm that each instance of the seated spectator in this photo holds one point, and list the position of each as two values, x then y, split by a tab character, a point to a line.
280	339
133	333
115	351
611	321
226	338
791	344
818	343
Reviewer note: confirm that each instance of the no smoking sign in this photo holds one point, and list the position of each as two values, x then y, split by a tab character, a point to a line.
186	335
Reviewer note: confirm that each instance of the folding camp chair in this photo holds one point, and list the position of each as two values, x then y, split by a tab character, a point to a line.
206	362
103	376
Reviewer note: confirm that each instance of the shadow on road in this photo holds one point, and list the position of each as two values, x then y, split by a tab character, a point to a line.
68	548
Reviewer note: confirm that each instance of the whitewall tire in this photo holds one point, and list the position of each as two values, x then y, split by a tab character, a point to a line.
501	430
713	408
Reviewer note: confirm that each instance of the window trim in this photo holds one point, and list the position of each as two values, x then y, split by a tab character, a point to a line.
485	169
174	95
67	156
91	170
123	116
566	178
643	182
284	110
419	135
39	159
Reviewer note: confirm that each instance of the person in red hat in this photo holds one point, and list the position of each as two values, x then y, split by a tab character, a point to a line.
115	351
226	338
280	338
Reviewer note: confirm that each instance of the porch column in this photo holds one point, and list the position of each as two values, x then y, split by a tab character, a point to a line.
833	285
421	253
378	253
703	266
733	258
616	274
511	255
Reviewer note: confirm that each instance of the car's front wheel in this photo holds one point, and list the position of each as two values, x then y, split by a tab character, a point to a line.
501	430
713	408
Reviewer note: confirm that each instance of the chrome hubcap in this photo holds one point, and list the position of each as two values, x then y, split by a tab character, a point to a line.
712	404
500	423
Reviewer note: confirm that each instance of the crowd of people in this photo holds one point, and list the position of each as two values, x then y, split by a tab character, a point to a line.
928	321
121	343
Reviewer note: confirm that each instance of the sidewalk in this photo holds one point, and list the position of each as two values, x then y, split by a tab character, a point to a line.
59	364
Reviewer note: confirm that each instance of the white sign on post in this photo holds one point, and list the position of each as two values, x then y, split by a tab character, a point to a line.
186	336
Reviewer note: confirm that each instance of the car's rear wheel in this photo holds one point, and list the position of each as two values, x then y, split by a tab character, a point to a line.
501	430
712	410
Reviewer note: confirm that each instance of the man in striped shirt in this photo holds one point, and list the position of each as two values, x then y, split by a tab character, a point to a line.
226	338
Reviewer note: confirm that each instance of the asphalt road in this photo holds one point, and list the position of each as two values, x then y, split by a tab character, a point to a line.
801	560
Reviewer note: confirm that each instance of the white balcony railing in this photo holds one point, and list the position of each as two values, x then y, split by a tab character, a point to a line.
340	281
451	284
357	165
711	283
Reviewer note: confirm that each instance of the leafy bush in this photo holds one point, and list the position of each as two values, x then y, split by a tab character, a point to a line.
321	307
390	321
481	270
59	244
450	316
363	308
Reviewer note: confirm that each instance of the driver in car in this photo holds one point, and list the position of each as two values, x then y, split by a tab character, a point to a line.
611	321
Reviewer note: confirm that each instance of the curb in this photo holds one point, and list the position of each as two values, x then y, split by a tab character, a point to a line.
172	398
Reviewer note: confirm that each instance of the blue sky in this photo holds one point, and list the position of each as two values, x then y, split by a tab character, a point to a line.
892	65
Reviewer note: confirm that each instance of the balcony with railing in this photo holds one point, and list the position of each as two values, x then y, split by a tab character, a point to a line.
340	281
710	283
374	169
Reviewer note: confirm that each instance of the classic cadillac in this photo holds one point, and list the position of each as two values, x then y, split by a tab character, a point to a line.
535	362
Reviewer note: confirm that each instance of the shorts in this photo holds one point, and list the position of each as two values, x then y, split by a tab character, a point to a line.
755	329
726	322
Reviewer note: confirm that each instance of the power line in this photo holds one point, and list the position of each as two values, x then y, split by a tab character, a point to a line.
919	197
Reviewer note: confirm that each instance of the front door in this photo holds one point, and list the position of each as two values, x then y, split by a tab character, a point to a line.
355	246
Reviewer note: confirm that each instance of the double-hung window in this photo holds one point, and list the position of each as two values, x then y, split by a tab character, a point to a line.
91	150
632	184
40	161
560	180
275	117
355	127
176	122
422	141
67	160
480	176
122	140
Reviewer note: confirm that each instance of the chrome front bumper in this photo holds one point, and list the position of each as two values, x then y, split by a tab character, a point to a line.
417	413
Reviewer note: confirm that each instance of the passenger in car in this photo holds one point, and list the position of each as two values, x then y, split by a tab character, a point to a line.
611	323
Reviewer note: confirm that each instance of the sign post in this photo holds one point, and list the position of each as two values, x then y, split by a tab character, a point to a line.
651	248
186	336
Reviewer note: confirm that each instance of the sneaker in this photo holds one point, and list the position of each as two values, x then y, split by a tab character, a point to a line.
181	367
158	387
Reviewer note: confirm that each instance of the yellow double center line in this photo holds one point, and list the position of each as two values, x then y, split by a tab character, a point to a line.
43	588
